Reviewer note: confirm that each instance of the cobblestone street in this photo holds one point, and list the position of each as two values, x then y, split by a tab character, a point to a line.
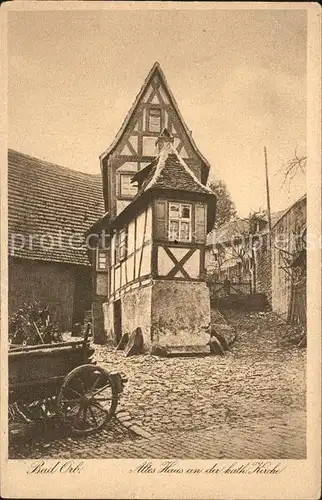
250	403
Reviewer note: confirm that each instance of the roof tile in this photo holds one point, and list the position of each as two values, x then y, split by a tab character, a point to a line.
50	208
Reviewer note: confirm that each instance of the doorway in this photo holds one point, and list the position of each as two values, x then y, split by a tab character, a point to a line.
117	321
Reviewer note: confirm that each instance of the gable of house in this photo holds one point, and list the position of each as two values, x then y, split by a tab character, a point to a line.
134	147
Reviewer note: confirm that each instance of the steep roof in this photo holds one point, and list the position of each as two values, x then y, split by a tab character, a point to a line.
284	212
52	202
170	171
227	231
156	68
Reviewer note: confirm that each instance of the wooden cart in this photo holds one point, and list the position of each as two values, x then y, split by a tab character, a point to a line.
61	379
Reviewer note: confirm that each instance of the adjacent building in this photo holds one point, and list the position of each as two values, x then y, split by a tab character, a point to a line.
242	250
239	251
49	209
289	263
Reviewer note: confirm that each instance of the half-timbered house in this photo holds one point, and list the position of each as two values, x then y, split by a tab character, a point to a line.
149	270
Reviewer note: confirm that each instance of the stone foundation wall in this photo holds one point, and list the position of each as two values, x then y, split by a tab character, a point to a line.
180	313
136	312
98	329
108	320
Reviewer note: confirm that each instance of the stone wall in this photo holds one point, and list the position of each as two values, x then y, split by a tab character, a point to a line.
285	233
180	312
48	282
136	312
98	329
263	269
108	322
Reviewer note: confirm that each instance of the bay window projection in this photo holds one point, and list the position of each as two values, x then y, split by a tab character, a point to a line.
180	222
127	189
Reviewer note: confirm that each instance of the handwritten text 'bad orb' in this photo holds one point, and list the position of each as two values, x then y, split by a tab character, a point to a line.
171	467
63	467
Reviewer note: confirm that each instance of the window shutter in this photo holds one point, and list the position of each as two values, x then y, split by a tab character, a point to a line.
200	223
160	220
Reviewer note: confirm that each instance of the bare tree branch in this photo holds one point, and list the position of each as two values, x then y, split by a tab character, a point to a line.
294	166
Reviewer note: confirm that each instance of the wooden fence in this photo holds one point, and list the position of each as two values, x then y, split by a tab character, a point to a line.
222	289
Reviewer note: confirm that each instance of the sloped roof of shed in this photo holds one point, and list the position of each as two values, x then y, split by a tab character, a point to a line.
50	202
239	227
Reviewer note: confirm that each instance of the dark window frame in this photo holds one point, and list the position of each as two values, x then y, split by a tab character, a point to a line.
105	268
158	111
181	219
118	257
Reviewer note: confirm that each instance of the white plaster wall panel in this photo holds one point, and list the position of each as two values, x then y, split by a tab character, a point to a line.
149	148
166	120
140	230
112	281
126	151
165	264
117	278
137	263
113	250
163	95
179	252
146	260
148	232
192	266
141	234
128	166
134	142
155	100
123	274
121	204
130	268
147	94
130	237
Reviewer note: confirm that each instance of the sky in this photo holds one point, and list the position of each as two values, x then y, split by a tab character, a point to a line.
239	78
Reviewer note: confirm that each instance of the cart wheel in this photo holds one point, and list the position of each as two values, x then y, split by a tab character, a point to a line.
87	399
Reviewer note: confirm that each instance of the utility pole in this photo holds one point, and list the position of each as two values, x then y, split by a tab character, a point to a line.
268	201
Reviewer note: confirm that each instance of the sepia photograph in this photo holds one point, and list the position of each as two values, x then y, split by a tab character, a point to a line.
158	239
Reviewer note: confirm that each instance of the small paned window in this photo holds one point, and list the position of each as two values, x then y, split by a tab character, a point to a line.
121	245
127	189
154	120
102	260
179	222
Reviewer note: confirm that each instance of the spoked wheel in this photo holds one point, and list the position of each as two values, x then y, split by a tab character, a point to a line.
87	399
